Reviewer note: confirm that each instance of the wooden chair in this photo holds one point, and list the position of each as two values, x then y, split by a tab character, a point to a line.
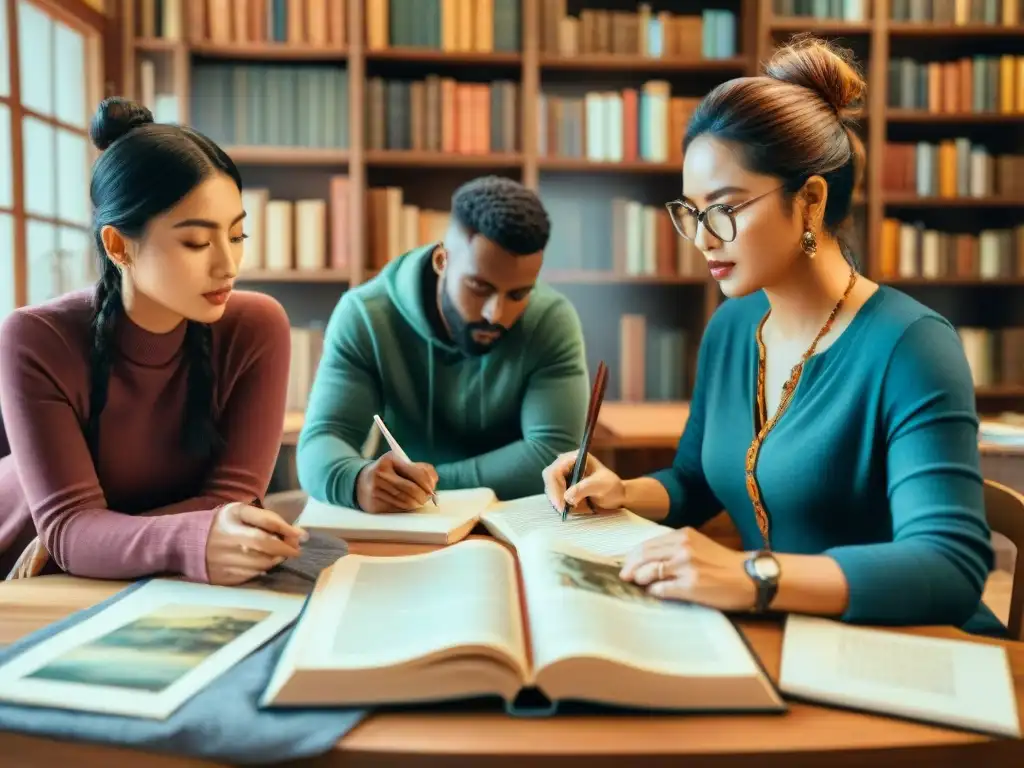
1004	508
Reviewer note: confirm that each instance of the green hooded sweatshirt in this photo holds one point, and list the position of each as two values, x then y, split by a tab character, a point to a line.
492	421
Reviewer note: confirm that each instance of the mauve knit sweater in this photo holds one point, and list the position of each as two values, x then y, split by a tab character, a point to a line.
142	506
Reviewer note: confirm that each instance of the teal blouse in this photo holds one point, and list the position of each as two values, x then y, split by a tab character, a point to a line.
874	464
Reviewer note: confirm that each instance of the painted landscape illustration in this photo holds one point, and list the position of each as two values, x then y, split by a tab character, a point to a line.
154	651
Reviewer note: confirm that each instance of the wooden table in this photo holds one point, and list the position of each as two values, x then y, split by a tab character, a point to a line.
806	736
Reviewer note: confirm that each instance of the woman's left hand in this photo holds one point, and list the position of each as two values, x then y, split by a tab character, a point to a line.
687	565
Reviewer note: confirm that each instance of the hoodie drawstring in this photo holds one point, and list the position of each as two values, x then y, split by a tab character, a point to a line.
481	391
430	393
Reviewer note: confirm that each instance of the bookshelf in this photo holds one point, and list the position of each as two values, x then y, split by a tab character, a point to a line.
529	88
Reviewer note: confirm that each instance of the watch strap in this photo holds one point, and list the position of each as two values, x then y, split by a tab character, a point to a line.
765	588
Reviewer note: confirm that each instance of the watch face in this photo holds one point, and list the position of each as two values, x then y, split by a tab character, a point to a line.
766	568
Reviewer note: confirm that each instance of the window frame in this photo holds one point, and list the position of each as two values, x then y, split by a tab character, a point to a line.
91	24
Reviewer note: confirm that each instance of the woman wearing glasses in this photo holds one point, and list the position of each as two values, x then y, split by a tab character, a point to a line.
833	418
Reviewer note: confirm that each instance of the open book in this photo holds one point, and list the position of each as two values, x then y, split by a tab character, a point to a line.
611	533
959	683
453	624
608	533
451	521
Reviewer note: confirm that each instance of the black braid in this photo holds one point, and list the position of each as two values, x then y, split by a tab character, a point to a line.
108	308
201	436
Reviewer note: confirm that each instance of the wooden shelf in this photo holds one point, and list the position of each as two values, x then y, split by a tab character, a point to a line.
922	116
401	158
266	51
954	282
820	26
293	276
243	155
593	276
157	45
1000	390
911	29
910	200
456	58
627	63
583	165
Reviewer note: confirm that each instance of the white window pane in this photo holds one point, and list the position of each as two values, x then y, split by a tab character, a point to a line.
35	55
40	167
44	278
5	72
71	67
78	258
6	172
6	264
72	177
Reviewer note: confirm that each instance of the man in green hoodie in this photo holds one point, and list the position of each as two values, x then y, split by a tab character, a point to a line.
476	368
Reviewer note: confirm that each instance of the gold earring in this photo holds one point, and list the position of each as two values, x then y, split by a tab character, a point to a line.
439	260
809	243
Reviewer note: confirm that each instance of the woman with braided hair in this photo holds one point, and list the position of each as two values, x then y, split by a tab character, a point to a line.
144	417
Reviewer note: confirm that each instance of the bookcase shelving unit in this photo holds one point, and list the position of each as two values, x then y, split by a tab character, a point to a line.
563	56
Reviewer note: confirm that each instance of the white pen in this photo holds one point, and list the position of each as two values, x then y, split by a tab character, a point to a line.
398	449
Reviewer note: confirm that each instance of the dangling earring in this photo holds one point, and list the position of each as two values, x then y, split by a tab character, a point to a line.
809	243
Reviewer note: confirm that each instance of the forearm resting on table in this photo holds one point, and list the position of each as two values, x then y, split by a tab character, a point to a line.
647	498
811	584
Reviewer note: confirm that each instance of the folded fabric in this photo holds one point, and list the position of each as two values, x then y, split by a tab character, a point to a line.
222	722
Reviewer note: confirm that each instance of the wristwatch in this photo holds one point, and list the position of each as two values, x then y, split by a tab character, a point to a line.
764	570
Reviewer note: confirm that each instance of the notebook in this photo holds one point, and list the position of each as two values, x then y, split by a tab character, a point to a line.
962	684
455	516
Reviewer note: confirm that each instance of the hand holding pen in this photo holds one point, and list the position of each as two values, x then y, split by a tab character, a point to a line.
394	483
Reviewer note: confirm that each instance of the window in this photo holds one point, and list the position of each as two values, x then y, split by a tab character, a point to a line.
46	96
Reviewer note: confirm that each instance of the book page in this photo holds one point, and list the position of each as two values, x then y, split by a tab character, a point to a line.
608	533
455	508
958	682
578	606
383	611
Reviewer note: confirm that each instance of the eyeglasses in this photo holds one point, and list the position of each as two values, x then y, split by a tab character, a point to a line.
718	219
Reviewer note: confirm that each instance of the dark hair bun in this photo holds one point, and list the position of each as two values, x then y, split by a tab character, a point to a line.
826	69
114	118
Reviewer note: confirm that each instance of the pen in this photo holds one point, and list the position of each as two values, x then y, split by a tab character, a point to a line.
398	449
593	409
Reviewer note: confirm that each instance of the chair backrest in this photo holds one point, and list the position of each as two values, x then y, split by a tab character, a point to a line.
1004	508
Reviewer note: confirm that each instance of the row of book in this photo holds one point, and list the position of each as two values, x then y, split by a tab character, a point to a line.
441	115
644	32
307	235
951	168
156	90
958	12
395	226
485	26
912	250
978	84
995	355
627	237
614	126
843	10
314	23
307	350
274	105
653	361
158	18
